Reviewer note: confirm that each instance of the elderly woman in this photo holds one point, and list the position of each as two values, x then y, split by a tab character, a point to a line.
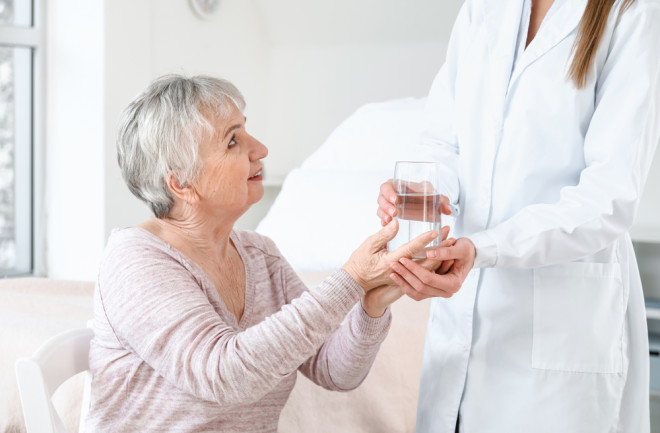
200	327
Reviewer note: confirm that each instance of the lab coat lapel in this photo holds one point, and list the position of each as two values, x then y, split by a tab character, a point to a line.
559	26
502	20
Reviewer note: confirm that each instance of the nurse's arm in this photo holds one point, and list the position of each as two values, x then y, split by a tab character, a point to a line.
618	147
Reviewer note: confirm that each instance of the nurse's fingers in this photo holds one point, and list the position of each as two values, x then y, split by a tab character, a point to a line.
445	267
388	192
386	210
436	265
384	218
407	289
424	281
416	245
432	283
444	232
444	205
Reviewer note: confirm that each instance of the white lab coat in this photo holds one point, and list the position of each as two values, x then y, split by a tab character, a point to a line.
548	332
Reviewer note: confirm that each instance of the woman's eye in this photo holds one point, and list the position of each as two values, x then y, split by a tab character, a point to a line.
232	142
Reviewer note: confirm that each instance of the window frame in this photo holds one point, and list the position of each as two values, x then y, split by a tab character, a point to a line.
32	207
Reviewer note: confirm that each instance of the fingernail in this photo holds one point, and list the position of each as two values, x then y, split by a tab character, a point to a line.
431	254
391	212
392	199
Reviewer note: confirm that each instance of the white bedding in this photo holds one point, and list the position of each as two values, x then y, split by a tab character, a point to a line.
327	207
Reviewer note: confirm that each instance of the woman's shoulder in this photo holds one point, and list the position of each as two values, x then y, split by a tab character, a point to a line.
134	239
135	259
134	246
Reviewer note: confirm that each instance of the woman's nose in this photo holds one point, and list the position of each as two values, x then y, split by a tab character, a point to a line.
259	150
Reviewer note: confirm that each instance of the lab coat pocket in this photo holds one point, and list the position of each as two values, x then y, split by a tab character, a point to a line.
578	318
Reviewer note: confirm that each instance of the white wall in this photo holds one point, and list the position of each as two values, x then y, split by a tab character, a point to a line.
303	66
74	138
328	58
312	89
127	70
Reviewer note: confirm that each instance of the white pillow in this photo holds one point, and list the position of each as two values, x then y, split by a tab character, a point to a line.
374	137
321	216
328	207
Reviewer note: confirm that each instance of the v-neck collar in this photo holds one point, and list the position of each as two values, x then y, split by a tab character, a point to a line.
209	287
502	24
525	20
563	19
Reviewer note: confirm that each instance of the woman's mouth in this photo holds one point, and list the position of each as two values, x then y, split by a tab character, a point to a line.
256	176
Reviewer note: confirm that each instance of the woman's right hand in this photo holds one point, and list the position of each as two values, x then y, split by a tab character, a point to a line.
371	264
387	200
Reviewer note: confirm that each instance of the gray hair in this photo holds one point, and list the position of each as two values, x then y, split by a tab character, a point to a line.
160	132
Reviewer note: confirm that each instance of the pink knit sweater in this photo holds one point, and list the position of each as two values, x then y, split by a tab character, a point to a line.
168	356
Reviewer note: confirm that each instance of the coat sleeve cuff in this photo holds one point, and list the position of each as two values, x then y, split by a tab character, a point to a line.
486	247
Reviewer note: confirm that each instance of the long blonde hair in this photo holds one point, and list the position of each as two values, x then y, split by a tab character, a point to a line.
590	33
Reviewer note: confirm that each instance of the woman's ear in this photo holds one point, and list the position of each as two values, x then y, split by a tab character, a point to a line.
185	192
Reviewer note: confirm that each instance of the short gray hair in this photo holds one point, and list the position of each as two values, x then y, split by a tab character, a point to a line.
160	132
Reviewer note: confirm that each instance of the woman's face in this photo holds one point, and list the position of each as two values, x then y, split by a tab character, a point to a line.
230	179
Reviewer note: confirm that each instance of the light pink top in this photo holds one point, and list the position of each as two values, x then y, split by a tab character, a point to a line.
168	356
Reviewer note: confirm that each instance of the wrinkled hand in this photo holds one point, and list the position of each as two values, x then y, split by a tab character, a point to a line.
419	281
376	301
387	200
370	264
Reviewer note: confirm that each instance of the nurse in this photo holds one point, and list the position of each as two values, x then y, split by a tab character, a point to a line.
547	116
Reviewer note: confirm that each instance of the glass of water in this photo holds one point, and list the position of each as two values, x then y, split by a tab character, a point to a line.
418	202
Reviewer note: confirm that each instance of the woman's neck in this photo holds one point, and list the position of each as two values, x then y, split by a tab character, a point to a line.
197	238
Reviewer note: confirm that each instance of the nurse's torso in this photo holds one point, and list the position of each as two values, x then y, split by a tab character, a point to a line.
521	133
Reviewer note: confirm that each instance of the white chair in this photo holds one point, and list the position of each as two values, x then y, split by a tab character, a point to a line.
39	376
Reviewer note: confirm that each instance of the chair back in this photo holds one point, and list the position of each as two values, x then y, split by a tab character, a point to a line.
39	376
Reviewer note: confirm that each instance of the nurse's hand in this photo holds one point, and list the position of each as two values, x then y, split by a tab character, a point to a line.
370	264
387	200
419	282
376	300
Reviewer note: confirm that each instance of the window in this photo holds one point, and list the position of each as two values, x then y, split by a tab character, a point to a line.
19	51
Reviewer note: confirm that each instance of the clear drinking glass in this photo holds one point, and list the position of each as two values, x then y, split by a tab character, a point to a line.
418	204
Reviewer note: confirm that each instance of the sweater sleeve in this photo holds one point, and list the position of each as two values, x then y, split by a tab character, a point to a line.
345	358
158	311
